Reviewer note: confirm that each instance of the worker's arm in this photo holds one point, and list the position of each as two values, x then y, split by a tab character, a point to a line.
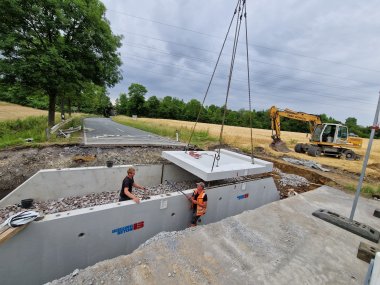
203	205
138	186
130	195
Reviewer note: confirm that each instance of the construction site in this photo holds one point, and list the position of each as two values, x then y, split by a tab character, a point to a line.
249	233
123	204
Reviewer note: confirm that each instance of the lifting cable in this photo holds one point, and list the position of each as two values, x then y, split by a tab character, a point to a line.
249	81
212	77
240	11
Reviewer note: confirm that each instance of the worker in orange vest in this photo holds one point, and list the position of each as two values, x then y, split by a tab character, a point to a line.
198	203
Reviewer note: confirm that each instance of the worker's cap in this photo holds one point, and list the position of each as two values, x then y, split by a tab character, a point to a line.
201	184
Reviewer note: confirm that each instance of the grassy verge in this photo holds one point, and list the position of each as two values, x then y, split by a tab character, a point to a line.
367	189
17	132
200	138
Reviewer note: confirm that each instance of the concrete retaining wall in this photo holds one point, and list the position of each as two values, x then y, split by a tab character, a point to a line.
62	242
60	183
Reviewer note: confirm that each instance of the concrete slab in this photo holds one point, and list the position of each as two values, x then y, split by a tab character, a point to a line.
204	165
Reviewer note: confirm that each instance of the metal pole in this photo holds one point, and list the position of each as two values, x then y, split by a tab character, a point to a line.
375	123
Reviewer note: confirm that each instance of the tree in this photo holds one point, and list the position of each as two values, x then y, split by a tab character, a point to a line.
151	107
136	100
47	44
192	110
171	108
122	104
351	123
327	119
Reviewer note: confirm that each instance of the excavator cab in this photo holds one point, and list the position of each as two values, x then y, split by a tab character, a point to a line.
330	133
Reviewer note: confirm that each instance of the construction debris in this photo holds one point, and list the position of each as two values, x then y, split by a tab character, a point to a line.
84	158
291	180
93	199
307	163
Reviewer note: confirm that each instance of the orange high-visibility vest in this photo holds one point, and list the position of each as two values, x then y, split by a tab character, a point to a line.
201	210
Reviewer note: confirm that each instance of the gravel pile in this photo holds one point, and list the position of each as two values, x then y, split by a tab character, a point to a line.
93	199
162	235
291	180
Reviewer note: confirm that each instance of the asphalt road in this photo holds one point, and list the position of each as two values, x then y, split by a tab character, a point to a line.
104	131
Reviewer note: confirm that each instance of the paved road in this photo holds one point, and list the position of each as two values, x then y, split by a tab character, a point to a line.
104	131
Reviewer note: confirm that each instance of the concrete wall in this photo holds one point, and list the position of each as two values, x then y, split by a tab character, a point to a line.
62	242
59	183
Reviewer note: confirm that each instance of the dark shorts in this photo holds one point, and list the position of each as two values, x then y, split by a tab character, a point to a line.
194	219
123	199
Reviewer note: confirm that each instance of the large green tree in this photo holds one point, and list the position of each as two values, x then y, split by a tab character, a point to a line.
122	104
47	44
151	107
136	99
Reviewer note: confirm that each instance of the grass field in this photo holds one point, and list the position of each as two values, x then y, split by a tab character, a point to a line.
240	137
18	123
9	111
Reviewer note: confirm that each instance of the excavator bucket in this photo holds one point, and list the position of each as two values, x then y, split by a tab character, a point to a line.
279	145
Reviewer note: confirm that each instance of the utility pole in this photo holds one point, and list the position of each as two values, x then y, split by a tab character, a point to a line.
375	127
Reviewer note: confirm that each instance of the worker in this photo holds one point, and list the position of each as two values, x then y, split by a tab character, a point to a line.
126	187
198	203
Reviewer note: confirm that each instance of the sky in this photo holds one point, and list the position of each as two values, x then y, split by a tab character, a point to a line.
314	56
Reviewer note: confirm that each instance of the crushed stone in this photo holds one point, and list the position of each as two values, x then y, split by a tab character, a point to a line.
92	199
292	180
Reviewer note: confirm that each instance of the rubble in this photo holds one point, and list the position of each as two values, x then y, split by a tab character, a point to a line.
92	199
292	180
307	163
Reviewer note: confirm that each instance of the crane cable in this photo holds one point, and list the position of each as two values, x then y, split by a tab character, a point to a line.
240	10
236	40
249	81
212	77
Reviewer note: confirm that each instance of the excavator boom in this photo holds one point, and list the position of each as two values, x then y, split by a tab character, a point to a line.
276	114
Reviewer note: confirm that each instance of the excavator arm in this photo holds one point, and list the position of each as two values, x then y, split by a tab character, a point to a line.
276	114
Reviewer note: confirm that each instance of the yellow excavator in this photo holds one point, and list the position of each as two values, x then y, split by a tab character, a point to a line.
326	138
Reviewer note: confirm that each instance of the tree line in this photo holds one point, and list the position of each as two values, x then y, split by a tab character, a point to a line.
134	103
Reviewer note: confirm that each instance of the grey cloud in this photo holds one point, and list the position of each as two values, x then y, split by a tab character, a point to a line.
295	50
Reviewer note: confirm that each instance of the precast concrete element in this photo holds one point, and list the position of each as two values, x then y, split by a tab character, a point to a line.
205	165
58	244
280	243
50	184
352	226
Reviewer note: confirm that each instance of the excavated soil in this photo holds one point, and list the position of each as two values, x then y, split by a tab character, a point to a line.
18	164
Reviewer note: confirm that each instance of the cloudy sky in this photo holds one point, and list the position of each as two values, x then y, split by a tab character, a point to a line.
315	56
